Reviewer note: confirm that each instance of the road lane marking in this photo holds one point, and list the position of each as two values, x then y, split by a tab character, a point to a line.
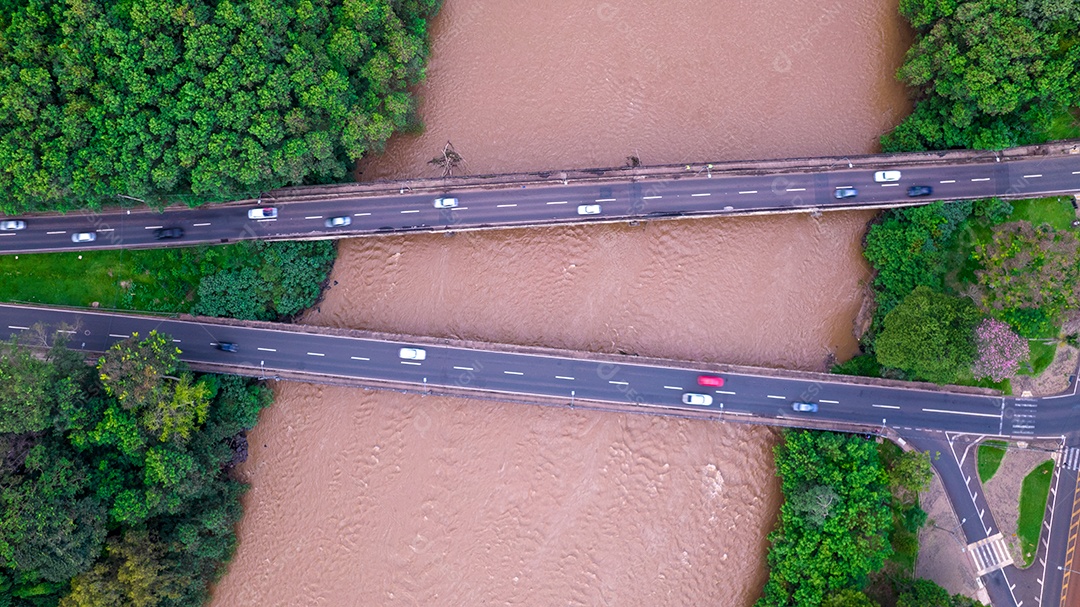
650	197
266	350
774	396
998	415
673	388
176	341
980	179
844	187
513	372
567	378
120	336
748	192
947	181
1033	176
556	202
502	206
703	194
313	217
106	230
199	225
266	220
831	402
60	232
315	354
459	208
8	234
411	211
885	406
1076	172
725	392
149	228
360	214
890	185
737	413
796	189
18	327
408	362
605	200
359	358
618	383
464	368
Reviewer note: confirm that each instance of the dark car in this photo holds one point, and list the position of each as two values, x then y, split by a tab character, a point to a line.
226	346
166	233
920	190
846	192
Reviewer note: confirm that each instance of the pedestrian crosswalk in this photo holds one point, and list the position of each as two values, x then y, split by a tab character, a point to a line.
990	554
1022	418
1072	458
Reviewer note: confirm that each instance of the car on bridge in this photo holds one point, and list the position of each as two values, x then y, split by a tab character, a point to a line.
845	193
167	233
337	222
701	400
920	190
445	203
886	176
588	209
83	237
262	213
710	380
12	224
412	353
226	346
804	407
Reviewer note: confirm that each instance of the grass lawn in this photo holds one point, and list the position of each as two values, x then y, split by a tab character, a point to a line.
989	458
1066	125
1055	210
1042	354
1033	494
71	279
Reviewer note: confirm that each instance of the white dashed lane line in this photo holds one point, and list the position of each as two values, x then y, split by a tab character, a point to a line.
796	189
1033	176
567	378
200	225
360	214
831	402
411	211
605	200
407	362
60	232
948	181
748	192
105	230
314	217
618	383
503	206
890	185
464	368
513	373
777	397
18	327
120	336
315	354
673	388
267	350
152	227
703	194
725	392
359	358
556	202
980	179
650	197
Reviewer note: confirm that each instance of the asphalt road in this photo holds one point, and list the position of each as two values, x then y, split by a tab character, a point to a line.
515	205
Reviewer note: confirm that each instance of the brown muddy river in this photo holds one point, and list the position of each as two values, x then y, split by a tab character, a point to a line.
377	498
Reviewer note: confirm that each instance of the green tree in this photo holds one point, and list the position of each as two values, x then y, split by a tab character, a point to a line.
848	597
925	593
25	391
911	472
132	369
133	574
930	336
1029	267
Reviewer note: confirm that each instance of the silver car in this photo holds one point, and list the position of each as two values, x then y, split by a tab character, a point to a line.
83	237
445	203
412	353
337	222
12	224
804	407
588	209
262	213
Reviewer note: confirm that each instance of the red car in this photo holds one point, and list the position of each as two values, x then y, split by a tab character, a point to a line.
710	380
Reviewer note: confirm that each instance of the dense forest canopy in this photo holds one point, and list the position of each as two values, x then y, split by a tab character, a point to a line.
197	100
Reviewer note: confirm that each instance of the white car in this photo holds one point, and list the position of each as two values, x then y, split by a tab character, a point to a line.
12	224
83	237
691	398
445	203
337	222
262	213
886	176
412	353
588	209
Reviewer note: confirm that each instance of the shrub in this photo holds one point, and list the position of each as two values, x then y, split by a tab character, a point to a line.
1000	351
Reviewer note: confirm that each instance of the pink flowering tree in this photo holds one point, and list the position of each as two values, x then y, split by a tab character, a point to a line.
1000	350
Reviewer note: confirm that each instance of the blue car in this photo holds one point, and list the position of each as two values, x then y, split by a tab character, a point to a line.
804	407
846	192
